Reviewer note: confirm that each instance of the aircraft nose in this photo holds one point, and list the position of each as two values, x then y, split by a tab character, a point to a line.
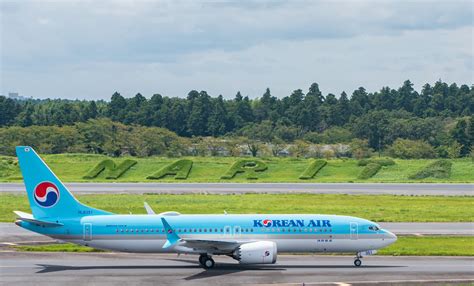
390	236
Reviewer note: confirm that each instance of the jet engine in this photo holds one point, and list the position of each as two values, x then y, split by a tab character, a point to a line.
260	252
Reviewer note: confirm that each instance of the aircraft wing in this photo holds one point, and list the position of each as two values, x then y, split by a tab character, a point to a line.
207	245
210	245
148	209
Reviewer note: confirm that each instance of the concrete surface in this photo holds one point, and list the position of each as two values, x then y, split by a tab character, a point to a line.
119	269
225	188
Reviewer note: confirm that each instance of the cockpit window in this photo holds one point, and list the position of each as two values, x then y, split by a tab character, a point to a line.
374	227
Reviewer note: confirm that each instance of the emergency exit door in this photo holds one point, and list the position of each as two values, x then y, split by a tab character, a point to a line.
354	230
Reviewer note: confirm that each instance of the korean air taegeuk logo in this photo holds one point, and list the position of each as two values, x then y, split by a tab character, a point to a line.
46	194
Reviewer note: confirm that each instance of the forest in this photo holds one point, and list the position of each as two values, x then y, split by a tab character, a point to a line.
437	121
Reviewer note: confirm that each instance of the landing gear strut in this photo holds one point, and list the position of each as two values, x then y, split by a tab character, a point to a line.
206	261
357	261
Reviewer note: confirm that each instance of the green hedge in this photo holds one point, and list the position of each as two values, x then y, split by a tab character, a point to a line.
179	169
313	169
381	161
440	169
369	171
8	166
248	166
114	171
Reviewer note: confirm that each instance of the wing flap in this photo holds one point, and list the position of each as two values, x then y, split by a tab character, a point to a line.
221	245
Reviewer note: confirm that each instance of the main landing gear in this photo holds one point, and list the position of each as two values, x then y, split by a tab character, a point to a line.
206	261
357	261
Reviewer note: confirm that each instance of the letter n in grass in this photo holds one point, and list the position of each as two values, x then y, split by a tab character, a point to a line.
114	171
179	169
247	166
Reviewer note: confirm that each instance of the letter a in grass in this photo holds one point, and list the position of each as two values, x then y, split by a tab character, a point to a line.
114	171
179	169
249	167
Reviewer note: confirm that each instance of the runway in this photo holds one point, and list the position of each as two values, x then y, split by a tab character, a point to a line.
119	268
273	188
11	233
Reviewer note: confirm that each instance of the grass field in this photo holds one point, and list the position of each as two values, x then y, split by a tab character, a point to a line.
382	208
431	245
72	168
406	245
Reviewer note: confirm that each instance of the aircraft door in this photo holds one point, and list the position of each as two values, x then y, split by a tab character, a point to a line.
354	229
87	232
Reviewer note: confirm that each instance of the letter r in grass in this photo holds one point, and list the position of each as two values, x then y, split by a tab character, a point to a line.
248	167
179	169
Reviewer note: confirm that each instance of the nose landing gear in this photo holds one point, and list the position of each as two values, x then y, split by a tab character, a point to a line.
206	261
357	261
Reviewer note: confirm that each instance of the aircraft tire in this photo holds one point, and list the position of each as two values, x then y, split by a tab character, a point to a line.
208	263
357	262
201	259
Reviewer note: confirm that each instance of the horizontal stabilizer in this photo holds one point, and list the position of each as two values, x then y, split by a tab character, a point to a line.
29	218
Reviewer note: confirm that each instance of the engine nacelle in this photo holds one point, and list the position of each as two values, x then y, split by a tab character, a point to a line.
260	252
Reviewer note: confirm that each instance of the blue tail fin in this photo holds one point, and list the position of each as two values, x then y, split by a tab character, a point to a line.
48	197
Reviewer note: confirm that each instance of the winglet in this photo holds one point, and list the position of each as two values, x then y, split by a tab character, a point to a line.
171	237
148	209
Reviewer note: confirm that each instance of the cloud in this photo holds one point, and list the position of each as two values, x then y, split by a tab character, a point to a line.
89	49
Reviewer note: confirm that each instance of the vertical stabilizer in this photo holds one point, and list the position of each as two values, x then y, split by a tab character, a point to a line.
48	196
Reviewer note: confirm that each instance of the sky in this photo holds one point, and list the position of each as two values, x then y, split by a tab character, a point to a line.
90	49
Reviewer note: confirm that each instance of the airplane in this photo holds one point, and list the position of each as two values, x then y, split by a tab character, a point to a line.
247	238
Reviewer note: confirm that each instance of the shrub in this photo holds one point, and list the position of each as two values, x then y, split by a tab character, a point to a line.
360	148
251	167
114	171
381	161
8	166
439	169
180	169
369	171
411	149
313	169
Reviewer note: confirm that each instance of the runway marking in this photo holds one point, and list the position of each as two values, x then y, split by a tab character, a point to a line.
375	282
8	243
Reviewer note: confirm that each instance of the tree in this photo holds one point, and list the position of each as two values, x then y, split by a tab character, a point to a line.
241	112
8	110
198	117
217	124
265	106
90	111
411	149
374	127
342	110
116	107
460	134
360	149
406	96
